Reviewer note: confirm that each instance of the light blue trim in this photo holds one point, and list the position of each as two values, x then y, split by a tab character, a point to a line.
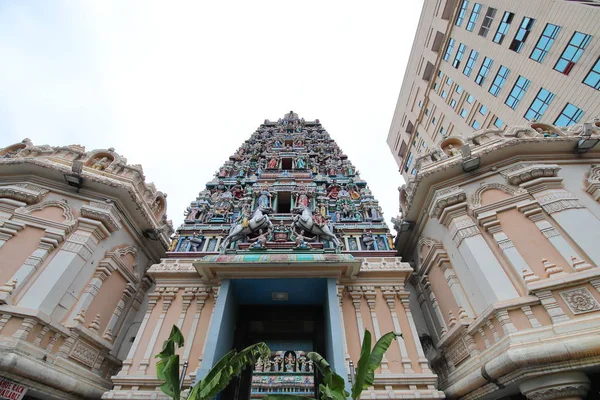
334	334
219	339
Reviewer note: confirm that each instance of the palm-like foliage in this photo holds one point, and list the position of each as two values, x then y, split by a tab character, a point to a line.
232	364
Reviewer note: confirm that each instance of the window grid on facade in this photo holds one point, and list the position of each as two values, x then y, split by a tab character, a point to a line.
517	92
545	42
487	21
475	124
461	14
499	80
470	99
408	162
482	109
539	105
484	70
569	115
459	55
470	62
498	123
464	113
453	103
449	49
473	17
522	34
444	94
593	77
503	27
572	52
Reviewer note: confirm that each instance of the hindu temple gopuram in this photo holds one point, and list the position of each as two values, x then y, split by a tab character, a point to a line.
285	245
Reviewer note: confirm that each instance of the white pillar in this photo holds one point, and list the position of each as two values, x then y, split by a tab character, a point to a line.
110	332
413	330
356	294
201	296
152	300
371	296
389	294
91	290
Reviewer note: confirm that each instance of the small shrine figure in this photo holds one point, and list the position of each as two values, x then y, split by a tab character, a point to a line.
260	242
302	199
273	163
300	162
277	143
333	191
319	219
390	241
101	164
453	152
195	242
191	214
244	217
264	200
155	207
237	190
223	172
301	241
368	239
290	362
353	190
174	242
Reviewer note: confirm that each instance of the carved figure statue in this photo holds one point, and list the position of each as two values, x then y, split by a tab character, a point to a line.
368	239
174	242
260	242
453	152
301	241
101	164
195	242
264	200
333	191
244	216
273	163
304	221
300	162
290	363
259	220
302	199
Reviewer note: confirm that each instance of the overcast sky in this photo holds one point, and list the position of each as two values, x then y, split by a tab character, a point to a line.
177	86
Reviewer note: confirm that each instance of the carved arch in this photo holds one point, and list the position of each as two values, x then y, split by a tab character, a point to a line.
476	198
67	212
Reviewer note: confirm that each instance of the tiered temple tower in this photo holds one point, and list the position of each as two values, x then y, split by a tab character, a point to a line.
285	245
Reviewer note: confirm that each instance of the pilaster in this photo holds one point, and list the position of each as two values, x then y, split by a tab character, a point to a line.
371	296
389	294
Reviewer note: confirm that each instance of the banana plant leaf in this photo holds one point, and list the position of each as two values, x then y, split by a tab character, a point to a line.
362	366
167	368
287	397
333	386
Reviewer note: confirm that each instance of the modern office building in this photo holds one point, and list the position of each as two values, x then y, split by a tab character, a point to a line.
488	64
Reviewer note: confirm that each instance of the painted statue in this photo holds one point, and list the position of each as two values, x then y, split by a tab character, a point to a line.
264	200
195	242
300	162
272	163
304	221
302	199
260	242
259	220
368	239
101	164
301	241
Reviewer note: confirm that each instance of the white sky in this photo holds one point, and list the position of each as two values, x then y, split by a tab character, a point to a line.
177	86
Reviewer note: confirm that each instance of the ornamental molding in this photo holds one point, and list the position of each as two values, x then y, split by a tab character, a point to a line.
105	213
569	391
67	212
594	174
522	173
445	198
24	192
558	200
476	198
457	352
84	353
580	300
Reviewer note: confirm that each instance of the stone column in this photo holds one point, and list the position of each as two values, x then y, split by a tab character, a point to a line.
51	239
356	294
215	293
491	224
110	332
25	328
535	214
152	300
340	293
201	296
567	385
90	292
8	229
456	288
371	296
53	282
187	297
413	329
552	307
450	208
426	288
389	294
167	295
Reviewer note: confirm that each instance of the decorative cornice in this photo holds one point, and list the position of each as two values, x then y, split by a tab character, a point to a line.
446	197
522	173
105	213
24	192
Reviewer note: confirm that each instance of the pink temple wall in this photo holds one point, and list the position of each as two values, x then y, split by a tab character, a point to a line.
442	292
50	213
200	338
16	250
106	300
492	196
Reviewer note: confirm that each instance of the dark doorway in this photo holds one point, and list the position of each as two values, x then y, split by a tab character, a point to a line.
292	327
284	202
286	163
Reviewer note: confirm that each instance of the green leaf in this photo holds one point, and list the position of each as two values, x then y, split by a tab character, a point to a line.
328	393
362	366
334	386
167	368
287	397
376	356
175	339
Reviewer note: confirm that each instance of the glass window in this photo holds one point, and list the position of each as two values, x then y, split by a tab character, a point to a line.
442	131
444	94
461	14
458	89
434	121
420	103
482	109
414	171
593	77
503	27
499	80
470	99
408	162
448	81
517	92
475	124
498	123
427	111
521	35
487	22
449	49
463	113
572	52
484	70
453	103
474	16
459	55
545	42
570	115
435	86
539	104
440	73
470	62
